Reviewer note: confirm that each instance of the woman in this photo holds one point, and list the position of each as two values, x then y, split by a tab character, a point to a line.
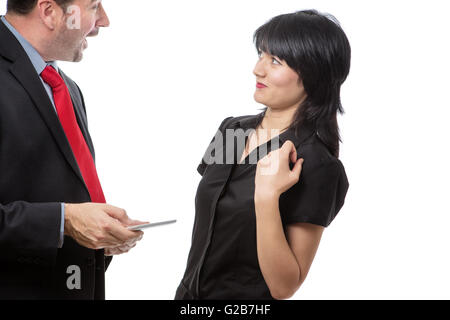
258	224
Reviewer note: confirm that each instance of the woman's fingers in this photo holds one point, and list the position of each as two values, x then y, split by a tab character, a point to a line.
297	169
293	154
288	151
290	147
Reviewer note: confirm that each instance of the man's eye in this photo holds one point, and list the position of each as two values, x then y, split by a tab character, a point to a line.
275	61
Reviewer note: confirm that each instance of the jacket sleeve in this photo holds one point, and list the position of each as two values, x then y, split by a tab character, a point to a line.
29	232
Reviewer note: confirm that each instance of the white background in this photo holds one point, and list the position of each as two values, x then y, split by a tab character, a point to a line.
161	79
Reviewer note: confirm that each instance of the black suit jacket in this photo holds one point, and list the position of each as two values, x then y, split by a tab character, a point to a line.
37	172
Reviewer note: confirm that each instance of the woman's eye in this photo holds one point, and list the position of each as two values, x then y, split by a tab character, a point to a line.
274	60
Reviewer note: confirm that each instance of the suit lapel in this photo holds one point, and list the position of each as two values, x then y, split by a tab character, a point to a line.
24	72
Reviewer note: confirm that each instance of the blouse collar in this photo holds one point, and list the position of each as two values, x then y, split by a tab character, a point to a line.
296	136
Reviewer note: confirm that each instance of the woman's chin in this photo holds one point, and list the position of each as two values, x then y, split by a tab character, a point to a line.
257	97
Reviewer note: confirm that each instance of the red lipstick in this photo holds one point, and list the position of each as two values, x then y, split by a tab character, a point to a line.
259	85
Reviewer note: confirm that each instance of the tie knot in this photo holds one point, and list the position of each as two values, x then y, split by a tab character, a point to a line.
51	77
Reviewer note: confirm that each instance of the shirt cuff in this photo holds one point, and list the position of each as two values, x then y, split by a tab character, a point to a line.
61	231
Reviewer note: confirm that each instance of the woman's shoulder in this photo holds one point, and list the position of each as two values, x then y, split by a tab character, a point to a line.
321	190
226	122
317	157
232	122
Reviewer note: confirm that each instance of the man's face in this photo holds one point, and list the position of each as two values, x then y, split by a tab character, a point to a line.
82	19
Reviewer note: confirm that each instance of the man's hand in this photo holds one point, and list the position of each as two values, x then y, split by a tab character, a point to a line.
121	249
99	226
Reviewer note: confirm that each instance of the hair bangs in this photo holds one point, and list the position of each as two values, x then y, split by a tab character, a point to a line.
314	45
274	38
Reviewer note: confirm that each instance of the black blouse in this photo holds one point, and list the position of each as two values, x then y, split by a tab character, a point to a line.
223	261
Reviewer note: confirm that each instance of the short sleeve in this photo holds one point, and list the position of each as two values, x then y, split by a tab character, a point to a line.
203	164
317	197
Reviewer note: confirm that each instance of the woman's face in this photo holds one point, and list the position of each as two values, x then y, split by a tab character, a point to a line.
277	85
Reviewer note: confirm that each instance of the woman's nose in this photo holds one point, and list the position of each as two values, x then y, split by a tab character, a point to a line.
259	69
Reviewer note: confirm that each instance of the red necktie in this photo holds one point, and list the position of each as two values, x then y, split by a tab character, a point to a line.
66	114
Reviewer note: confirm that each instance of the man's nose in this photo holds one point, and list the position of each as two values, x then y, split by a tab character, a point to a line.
102	20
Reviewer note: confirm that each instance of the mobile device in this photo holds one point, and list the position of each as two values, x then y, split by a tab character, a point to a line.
149	225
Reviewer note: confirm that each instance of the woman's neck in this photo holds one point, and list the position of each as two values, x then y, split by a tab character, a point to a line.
277	119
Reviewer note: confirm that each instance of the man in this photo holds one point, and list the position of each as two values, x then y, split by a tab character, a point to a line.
55	227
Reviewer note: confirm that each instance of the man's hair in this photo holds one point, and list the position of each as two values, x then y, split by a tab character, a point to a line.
26	6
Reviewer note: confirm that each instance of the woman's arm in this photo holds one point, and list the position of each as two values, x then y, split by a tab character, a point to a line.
284	262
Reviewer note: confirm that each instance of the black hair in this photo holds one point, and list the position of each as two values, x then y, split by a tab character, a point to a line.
314	45
24	7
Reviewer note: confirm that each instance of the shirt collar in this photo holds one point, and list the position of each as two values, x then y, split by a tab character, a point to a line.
38	63
296	136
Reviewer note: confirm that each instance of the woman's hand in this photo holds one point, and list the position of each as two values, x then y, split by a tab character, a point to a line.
279	266
273	175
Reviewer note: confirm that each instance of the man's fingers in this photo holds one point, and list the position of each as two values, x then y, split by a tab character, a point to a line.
119	250
98	226
139	234
116	234
121	233
112	251
116	213
121	215
136	222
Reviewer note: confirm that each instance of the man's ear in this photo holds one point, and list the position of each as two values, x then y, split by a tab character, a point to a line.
49	12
